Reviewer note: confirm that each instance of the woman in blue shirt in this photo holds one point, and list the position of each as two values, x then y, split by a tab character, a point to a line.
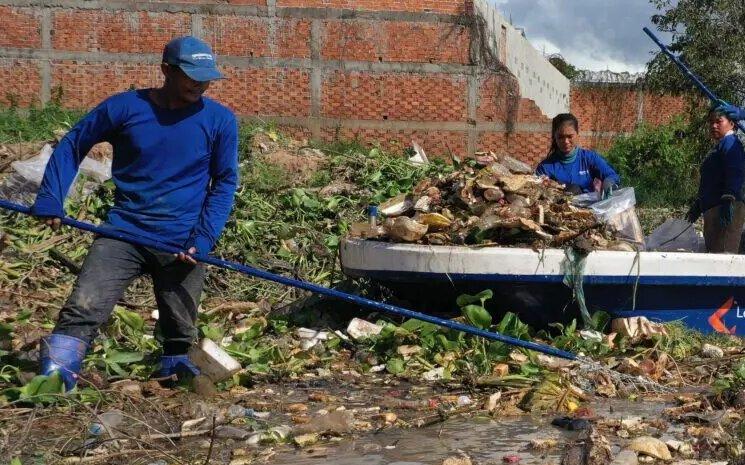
720	191
577	168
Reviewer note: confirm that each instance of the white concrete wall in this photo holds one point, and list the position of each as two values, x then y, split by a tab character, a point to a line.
539	80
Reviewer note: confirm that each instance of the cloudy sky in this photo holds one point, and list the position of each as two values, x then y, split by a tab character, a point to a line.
590	34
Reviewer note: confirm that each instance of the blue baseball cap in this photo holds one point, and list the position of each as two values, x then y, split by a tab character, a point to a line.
194	57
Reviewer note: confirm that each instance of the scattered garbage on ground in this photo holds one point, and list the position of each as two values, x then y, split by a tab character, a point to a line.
288	376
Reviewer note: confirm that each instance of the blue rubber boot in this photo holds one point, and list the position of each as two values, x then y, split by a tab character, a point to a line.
63	354
178	365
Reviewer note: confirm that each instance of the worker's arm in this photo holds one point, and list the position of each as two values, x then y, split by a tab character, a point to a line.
734	167
219	200
542	169
63	165
734	176
602	169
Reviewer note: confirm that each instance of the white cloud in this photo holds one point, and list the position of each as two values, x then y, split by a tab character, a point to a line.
590	34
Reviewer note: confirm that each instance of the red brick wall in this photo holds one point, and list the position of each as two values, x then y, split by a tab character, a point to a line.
249	36
356	69
21	82
395	41
105	31
84	84
394	97
272	91
530	147
621	108
20	27
433	6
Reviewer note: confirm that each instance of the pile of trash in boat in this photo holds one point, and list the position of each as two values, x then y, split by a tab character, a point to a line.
496	200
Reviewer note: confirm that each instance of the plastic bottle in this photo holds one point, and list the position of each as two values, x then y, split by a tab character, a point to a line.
107	420
372	211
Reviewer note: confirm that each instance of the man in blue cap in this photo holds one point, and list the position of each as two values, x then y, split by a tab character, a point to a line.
175	168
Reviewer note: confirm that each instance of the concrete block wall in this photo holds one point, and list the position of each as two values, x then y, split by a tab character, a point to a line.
539	80
383	71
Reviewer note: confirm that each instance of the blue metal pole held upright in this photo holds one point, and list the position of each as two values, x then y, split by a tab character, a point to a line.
687	72
315	288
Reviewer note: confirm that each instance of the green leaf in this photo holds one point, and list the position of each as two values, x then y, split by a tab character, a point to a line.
571	329
477	315
212	332
600	320
15	461
721	385
129	318
6	329
424	328
36	389
253	331
466	299
740	371
116	356
258	368
529	369
116	368
395	366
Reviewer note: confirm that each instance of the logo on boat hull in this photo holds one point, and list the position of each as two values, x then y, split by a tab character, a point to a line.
715	320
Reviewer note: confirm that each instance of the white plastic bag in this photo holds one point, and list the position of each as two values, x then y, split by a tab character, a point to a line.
675	235
21	185
618	211
33	168
621	200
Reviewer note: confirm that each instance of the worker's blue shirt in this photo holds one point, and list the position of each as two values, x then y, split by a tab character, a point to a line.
722	173
175	171
587	166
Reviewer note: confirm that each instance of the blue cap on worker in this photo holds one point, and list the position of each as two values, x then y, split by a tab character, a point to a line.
194	57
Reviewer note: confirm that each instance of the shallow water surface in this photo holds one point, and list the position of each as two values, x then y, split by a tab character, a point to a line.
485	440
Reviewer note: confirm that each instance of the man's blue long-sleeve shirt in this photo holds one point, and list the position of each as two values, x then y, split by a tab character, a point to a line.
722	173
586	166
175	171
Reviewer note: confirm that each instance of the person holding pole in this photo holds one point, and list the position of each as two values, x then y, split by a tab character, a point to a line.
720	193
175	168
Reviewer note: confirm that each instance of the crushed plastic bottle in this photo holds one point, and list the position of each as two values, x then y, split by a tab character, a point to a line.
236	411
106	421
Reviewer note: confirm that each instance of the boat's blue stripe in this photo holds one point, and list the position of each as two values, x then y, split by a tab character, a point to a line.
588	279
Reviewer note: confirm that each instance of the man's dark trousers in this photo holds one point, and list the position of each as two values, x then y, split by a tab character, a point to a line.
109	268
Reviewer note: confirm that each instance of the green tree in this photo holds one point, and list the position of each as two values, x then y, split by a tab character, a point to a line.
661	163
707	34
567	69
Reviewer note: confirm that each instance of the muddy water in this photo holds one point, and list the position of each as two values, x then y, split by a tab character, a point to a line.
485	440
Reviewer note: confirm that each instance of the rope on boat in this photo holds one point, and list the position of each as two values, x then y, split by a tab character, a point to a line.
574	274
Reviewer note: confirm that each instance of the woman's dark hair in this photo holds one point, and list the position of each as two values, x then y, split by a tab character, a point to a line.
560	120
717	113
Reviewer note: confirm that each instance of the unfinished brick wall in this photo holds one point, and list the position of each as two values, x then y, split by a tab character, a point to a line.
384	71
606	110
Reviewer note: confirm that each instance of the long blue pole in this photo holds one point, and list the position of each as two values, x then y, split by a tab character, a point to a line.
687	72
315	288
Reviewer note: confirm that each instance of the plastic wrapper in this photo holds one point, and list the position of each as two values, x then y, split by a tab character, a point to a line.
618	211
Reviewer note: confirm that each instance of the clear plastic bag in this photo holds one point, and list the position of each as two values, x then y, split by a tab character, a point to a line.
675	235
21	185
618	211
